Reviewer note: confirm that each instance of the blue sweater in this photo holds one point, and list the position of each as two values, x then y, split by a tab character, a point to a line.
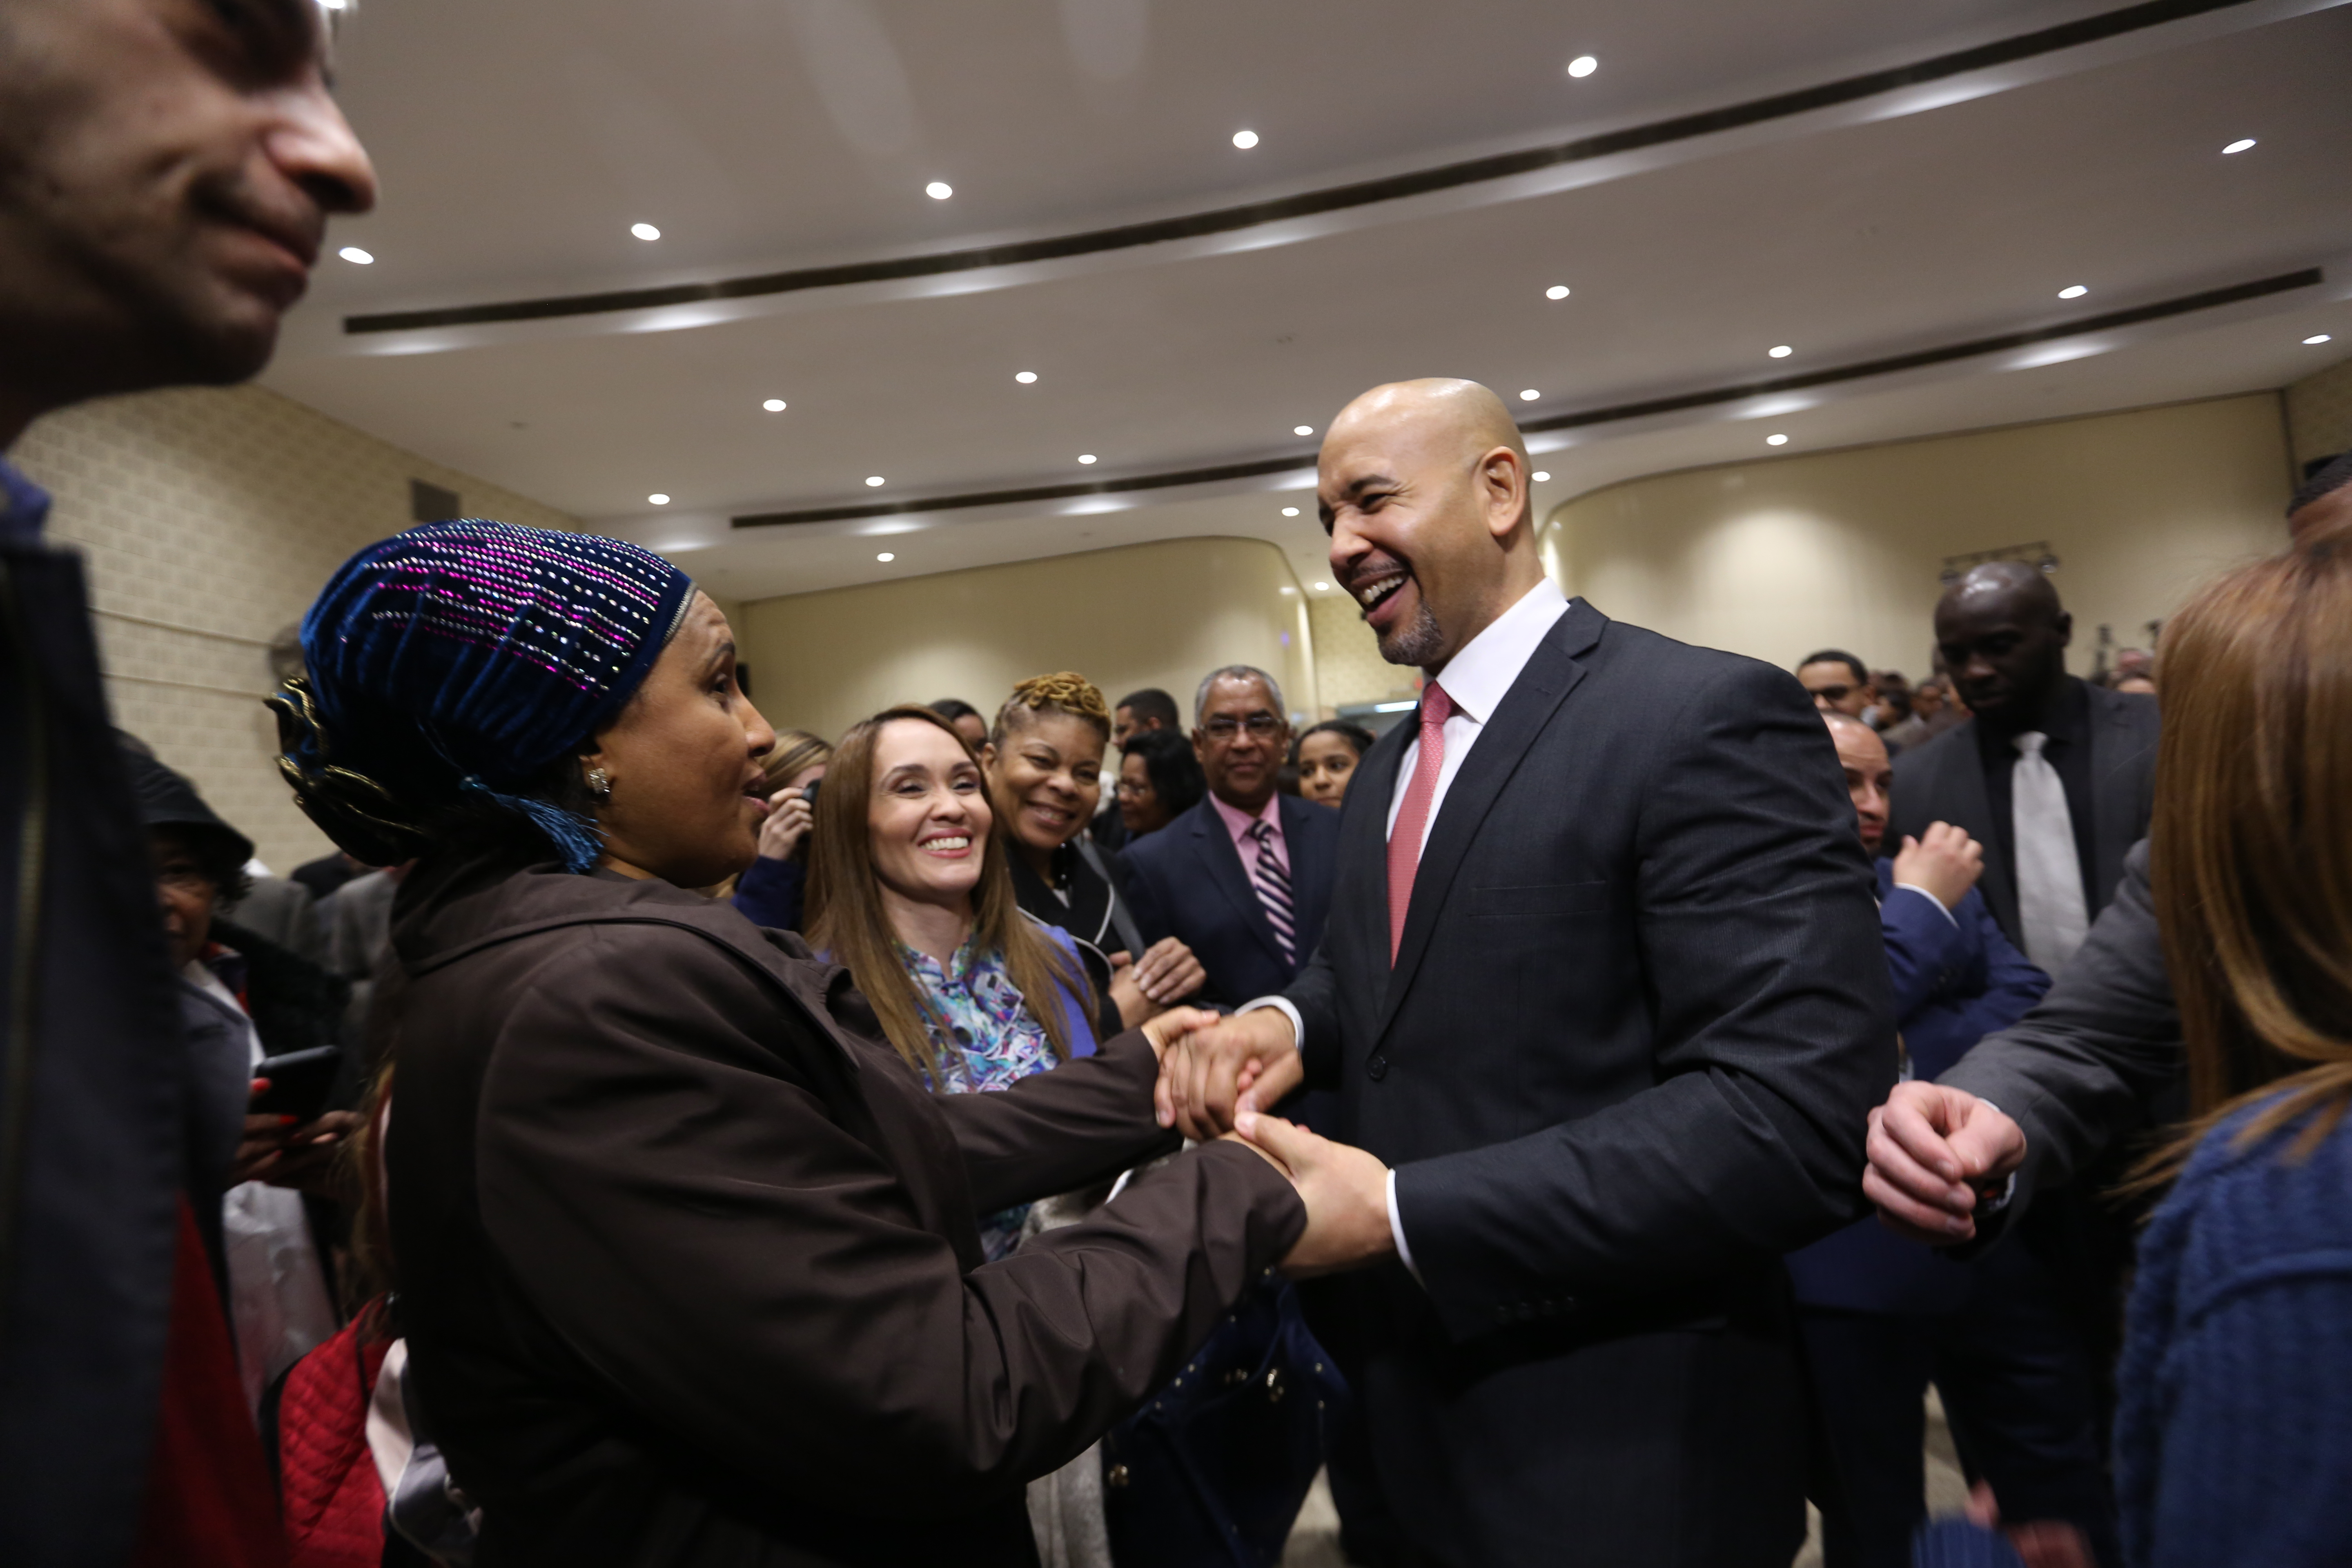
2233	1434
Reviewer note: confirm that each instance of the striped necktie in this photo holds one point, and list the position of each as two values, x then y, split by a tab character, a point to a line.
1273	885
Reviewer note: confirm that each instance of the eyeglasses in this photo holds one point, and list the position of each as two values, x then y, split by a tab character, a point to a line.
1127	791
185	879
1261	727
1832	693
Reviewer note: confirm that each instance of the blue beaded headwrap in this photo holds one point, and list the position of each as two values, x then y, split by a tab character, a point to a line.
457	661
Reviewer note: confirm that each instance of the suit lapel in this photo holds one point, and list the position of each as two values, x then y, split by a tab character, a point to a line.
1310	880
1968	803
1550	674
1215	847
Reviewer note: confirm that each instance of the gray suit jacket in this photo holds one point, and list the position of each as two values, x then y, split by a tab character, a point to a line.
1943	781
2081	1070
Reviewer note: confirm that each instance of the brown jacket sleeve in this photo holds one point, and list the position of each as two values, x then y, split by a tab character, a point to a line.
676	1197
1056	1131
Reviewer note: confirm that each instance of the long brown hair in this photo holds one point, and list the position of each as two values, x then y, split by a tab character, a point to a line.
845	916
2252	843
795	751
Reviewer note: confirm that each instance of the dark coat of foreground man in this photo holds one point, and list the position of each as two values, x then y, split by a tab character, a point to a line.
688	1258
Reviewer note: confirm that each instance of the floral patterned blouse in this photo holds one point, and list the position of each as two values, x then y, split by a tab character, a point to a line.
986	1037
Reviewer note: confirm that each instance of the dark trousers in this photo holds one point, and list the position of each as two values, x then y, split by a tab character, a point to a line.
2018	1388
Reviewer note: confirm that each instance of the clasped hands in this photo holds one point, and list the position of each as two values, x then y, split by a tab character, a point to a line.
1215	1072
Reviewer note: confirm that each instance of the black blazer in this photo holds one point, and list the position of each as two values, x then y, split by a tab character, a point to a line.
1623	1062
1943	781
1187	881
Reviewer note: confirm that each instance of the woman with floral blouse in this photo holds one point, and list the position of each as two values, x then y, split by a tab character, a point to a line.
908	891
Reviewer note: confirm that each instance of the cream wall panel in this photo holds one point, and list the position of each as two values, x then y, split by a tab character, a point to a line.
208	520
1149	615
1776	558
2319	413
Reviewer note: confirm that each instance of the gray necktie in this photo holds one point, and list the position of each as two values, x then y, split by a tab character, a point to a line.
2050	906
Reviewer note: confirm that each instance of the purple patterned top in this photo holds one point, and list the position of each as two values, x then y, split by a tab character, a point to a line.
986	1037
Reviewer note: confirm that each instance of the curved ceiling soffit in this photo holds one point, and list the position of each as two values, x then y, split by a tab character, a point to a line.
2049	343
1515	176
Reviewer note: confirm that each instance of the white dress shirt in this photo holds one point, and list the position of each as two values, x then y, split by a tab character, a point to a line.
1477	678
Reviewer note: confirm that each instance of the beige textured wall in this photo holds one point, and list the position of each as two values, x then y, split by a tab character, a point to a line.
209	520
2319	413
1348	663
1776	558
1149	615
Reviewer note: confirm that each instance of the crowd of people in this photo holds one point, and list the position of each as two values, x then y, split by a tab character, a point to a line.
1583	1122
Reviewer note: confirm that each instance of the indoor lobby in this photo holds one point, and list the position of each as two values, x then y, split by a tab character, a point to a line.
1016	360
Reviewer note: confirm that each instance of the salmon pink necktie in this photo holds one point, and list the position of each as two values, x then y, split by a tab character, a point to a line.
1412	816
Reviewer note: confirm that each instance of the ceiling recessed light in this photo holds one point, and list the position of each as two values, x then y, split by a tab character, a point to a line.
886	555
1776	440
773	406
1321	587
1288	589
1557	291
1582	65
644	231
1782	351
939	190
1245	139
1025	377
657	499
354	254
1541	477
2239	145
2072	291
1290	511
1085	457
2319	338
1302	429
874	478
1529	395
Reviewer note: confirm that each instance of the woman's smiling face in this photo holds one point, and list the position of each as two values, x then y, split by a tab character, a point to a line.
927	821
1047	778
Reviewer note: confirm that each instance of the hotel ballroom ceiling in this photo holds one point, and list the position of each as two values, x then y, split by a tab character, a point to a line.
1858	181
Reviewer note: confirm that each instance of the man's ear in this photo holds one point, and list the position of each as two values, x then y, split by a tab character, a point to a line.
2064	625
1503	476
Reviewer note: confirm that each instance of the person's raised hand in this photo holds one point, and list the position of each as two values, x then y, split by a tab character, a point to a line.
312	1153
1204	1071
1944	860
789	818
1933	1150
261	1146
1345	1189
1168	972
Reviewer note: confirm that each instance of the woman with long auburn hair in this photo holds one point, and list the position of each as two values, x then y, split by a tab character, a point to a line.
2234	1432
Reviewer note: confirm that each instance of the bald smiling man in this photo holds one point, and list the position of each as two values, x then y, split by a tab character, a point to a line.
1603	997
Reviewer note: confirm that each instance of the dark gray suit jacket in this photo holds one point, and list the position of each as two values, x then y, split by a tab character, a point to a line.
2084	1068
1187	881
1943	781
1623	1063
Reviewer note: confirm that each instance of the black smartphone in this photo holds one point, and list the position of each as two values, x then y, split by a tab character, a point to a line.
808	792
300	1082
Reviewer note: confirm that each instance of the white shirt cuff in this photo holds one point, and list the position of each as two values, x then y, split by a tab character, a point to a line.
1281	1004
1396	1233
1915	887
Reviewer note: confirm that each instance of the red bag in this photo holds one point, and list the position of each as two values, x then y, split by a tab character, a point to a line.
331	1496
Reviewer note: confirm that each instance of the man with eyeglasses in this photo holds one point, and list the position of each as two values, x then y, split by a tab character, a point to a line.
1839	682
1243	878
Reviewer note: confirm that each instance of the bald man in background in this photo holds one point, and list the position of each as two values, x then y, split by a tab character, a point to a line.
1602	997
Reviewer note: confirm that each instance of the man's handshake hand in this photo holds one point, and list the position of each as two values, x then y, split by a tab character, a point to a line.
1933	1150
1208	1063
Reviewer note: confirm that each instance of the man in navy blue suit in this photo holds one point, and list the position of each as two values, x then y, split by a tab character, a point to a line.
1880	1318
1243	878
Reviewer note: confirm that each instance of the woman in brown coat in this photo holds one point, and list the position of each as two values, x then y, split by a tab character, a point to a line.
688	1256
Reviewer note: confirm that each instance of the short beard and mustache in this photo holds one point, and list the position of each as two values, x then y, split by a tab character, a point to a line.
1415	641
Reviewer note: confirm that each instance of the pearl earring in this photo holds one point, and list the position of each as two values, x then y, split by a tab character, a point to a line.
600	784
